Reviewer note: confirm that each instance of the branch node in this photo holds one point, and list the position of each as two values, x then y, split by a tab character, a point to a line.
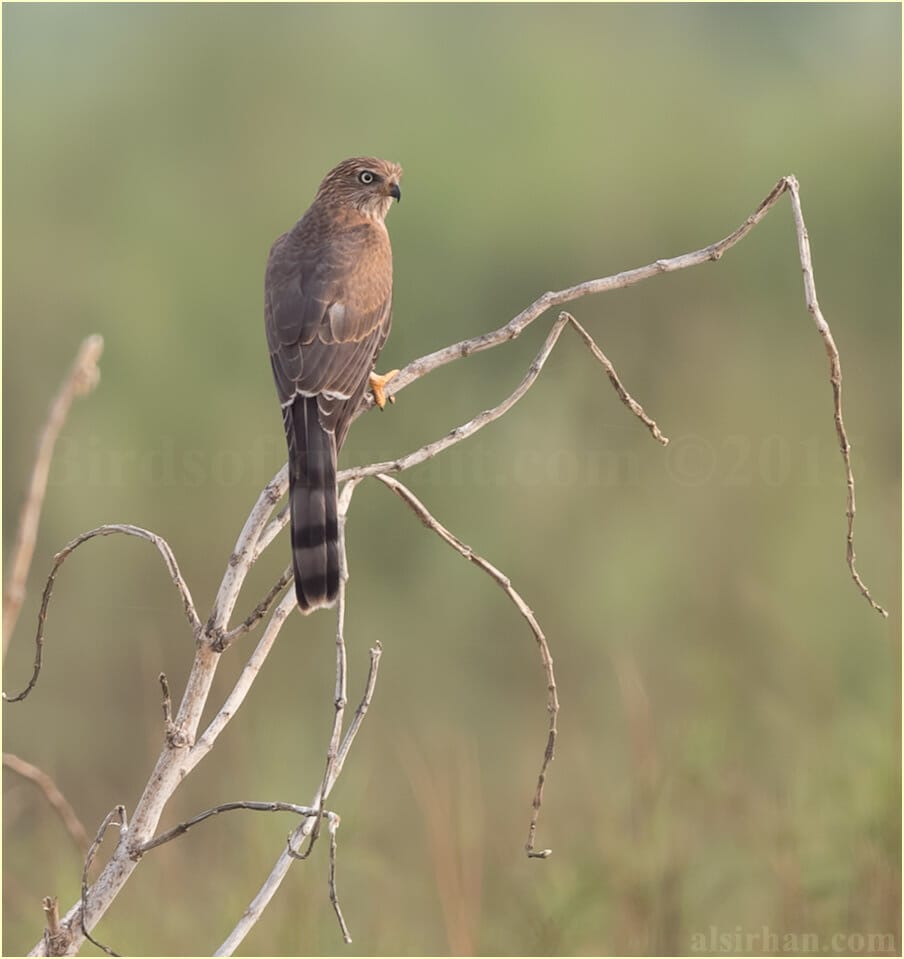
56	938
175	737
539	854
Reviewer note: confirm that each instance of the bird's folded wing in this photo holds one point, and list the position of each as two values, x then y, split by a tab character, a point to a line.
322	335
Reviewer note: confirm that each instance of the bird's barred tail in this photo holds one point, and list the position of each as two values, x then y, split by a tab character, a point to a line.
312	505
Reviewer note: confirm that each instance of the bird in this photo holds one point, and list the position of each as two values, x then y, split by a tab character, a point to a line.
327	313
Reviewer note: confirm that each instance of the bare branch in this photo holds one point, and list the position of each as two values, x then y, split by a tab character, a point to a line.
127	529
806	264
173	765
275	526
183	827
117	812
82	378
260	902
252	667
53	795
618	281
552	699
54	937
473	425
511	330
174	736
244	554
340	697
370	684
333	826
259	611
623	394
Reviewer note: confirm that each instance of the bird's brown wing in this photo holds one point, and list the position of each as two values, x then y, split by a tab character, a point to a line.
323	336
326	316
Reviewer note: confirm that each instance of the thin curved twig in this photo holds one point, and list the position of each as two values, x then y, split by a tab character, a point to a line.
552	698
116	811
623	394
54	796
340	697
183	827
280	869
126	529
83	376
259	611
806	264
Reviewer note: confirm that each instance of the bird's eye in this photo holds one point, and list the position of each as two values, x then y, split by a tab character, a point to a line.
365	176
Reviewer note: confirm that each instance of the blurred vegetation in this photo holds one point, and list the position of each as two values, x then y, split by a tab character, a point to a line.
729	737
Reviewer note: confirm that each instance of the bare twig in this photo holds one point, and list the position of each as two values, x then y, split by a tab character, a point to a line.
333	826
259	611
54	938
173	764
340	697
806	264
82	378
183	827
244	554
127	529
234	700
53	795
167	704
174	736
552	699
257	906
473	425
117	812
623	394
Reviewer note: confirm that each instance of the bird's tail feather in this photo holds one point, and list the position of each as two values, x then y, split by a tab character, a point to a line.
312	504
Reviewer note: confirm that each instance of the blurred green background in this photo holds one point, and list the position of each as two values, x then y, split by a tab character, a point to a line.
729	754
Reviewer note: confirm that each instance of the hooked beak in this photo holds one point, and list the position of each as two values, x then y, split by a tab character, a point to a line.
395	192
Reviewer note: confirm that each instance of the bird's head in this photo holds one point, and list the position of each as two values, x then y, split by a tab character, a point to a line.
365	183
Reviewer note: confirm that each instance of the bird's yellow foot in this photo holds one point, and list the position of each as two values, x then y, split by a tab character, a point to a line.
378	387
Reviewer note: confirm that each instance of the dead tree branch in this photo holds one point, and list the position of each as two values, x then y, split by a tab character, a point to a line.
117	813
82	378
260	902
623	394
53	938
127	529
552	698
806	265
183	827
53	795
618	281
185	746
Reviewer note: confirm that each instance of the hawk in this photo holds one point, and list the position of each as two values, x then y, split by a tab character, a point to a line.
327	311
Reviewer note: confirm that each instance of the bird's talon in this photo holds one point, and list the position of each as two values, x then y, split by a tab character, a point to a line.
378	387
